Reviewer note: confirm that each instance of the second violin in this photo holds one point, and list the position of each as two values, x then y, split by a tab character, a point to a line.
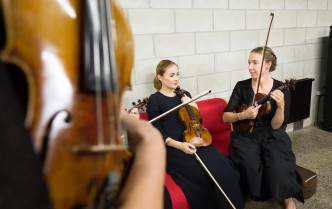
260	99
195	133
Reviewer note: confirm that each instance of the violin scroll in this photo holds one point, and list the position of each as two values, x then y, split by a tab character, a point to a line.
179	91
141	104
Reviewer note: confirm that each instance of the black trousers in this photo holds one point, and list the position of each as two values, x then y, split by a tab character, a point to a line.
22	184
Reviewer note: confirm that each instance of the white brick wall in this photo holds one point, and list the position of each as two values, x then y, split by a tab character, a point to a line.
149	21
306	18
193	20
211	41
296	4
175	44
211	4
243	4
229	20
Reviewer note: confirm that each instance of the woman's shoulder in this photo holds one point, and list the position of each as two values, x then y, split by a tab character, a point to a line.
157	96
277	83
244	82
154	96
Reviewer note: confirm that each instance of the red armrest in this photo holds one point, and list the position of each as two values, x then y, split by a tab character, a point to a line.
211	111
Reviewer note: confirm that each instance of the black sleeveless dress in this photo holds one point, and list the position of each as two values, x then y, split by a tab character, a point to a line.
264	157
186	171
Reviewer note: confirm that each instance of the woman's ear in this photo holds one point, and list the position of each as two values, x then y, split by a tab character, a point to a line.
159	77
268	64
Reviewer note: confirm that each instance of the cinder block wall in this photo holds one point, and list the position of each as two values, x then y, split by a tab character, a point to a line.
211	39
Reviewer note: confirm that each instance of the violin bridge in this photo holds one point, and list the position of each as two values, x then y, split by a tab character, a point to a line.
86	149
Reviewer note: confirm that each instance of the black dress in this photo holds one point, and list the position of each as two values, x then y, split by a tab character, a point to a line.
264	157
186	171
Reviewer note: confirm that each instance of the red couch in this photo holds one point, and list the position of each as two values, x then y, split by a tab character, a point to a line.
211	111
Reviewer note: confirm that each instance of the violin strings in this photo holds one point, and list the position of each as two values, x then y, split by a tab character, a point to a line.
95	20
107	62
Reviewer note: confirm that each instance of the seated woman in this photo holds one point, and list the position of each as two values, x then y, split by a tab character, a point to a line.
198	187
264	156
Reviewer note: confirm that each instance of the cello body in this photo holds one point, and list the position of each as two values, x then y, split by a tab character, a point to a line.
44	39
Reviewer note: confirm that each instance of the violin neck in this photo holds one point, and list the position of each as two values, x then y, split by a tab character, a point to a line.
99	60
263	99
190	112
267	97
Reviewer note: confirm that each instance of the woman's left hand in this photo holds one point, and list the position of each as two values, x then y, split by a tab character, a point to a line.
185	98
278	96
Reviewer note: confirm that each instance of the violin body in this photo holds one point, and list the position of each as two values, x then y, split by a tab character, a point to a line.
44	40
195	133
248	124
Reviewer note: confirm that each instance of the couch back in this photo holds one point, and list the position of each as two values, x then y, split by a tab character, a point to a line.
211	111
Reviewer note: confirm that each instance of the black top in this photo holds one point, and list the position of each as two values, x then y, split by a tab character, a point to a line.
157	105
244	94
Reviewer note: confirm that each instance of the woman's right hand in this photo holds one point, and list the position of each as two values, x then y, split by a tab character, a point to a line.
187	148
250	113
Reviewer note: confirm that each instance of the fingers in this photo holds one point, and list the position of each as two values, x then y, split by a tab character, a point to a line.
135	113
184	98
189	148
252	112
278	97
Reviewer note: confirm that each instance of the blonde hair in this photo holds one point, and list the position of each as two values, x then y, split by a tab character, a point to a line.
160	70
269	56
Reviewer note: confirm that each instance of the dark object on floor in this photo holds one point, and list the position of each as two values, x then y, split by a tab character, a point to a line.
309	181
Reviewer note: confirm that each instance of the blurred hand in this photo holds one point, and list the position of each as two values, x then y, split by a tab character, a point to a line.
135	113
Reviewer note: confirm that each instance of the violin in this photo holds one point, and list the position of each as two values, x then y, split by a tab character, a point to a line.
195	133
77	58
264	110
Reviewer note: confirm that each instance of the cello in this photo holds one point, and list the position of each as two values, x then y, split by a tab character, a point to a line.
76	57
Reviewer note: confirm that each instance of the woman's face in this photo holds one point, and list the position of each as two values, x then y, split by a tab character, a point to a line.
171	77
254	65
